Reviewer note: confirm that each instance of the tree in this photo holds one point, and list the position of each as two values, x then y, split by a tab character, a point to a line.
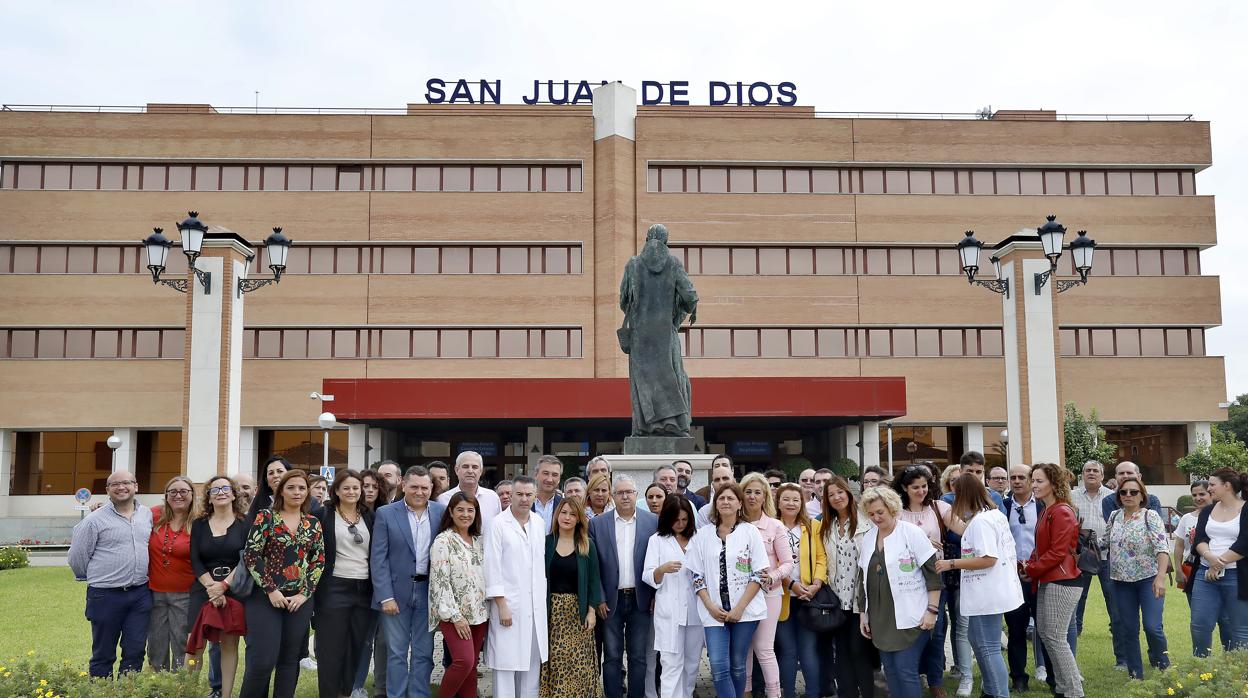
1222	450
1085	440
1237	418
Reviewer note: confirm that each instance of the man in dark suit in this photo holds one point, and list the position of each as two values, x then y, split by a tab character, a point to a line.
684	477
621	537
402	534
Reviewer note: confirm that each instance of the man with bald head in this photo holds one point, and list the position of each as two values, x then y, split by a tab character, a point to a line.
468	470
109	552
1127	469
1022	511
246	488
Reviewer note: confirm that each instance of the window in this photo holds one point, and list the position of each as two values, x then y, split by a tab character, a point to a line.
713	180
303	448
60	462
158	459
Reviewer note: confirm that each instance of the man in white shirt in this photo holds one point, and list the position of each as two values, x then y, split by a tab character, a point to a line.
1089	499
515	583
1022	511
468	469
596	466
621	540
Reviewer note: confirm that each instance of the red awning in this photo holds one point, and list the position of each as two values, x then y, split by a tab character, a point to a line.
365	399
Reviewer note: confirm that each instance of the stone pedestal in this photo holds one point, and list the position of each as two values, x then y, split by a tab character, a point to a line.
640	467
659	445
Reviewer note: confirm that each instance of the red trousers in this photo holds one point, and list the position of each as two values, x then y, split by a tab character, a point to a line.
460	679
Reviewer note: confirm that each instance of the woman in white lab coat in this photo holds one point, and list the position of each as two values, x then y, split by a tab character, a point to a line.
515	582
678	635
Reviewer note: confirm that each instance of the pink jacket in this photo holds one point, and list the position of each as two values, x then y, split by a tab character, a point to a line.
776	541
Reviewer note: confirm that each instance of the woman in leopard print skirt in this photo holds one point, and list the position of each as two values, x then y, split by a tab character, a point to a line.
573	588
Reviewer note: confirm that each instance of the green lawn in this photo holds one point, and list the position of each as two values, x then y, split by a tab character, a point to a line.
41	609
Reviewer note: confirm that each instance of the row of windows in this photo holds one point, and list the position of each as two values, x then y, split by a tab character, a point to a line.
458	178
423	343
1133	341
307	259
60	462
843	180
905	261
704	342
743	260
838	342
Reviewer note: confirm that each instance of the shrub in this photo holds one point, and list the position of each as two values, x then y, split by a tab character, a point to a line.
1185	504
845	467
31	676
1223	675
13	557
1223	450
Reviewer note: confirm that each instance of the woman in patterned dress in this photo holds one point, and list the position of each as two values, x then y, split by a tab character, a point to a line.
574	591
457	593
285	554
1139	558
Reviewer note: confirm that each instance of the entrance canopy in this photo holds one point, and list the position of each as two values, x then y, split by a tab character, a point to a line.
370	399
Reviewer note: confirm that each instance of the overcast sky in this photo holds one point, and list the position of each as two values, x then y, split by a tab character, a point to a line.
1075	57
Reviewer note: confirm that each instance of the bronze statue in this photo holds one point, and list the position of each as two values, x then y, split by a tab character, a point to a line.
656	297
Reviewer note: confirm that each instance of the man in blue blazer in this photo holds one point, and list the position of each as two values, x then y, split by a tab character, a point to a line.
402	535
621	537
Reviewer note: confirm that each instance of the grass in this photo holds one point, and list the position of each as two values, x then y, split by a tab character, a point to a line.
41	609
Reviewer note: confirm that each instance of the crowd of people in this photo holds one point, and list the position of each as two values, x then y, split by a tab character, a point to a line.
602	587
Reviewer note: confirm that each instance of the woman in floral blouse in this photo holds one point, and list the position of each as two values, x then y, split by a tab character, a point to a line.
1138	561
286	556
457	593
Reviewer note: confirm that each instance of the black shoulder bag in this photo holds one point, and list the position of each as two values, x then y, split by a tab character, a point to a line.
823	612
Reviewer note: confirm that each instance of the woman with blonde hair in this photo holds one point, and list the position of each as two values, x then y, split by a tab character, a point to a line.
170	575
900	587
598	496
950	473
760	510
794	642
574	590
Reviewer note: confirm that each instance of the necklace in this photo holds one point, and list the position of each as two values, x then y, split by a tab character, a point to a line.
166	548
349	521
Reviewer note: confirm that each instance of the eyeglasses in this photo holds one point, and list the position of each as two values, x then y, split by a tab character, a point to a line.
998	477
626	493
179	493
223	489
1129	493
122	483
355	534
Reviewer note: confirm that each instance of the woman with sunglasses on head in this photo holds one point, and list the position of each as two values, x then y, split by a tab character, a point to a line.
170	575
457	601
344	615
217	537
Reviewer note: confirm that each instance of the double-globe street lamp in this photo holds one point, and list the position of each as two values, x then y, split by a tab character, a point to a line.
1051	235
276	246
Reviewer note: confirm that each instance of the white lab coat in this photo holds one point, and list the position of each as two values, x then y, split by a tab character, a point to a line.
515	568
672	596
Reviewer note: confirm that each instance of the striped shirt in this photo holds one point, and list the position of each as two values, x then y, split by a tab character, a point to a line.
1089	508
108	550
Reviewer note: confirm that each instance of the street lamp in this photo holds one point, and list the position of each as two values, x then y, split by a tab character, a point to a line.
327	420
969	249
1005	442
193	230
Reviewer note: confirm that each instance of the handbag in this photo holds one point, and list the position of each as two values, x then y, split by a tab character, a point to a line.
823	612
240	580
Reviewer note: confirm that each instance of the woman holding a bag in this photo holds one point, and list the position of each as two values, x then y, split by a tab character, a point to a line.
841	532
1139	559
989	579
795	642
217	540
900	590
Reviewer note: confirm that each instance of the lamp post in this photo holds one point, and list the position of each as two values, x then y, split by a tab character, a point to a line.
114	442
213	359
1005	441
327	420
1030	330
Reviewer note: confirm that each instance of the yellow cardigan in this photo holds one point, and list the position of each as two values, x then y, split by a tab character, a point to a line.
810	541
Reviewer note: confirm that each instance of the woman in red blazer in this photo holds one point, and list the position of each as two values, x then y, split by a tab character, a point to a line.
1053	569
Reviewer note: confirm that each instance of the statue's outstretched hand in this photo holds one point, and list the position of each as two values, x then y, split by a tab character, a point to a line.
693	317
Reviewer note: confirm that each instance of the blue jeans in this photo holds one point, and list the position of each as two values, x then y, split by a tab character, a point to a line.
794	644
1111	607
932	664
1136	599
1212	601
901	669
409	629
627	628
118	616
727	647
985	636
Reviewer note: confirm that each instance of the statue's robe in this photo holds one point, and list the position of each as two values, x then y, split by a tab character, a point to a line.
656	297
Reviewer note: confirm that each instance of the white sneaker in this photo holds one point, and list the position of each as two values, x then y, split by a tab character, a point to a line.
1041	674
965	685
308	663
359	693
